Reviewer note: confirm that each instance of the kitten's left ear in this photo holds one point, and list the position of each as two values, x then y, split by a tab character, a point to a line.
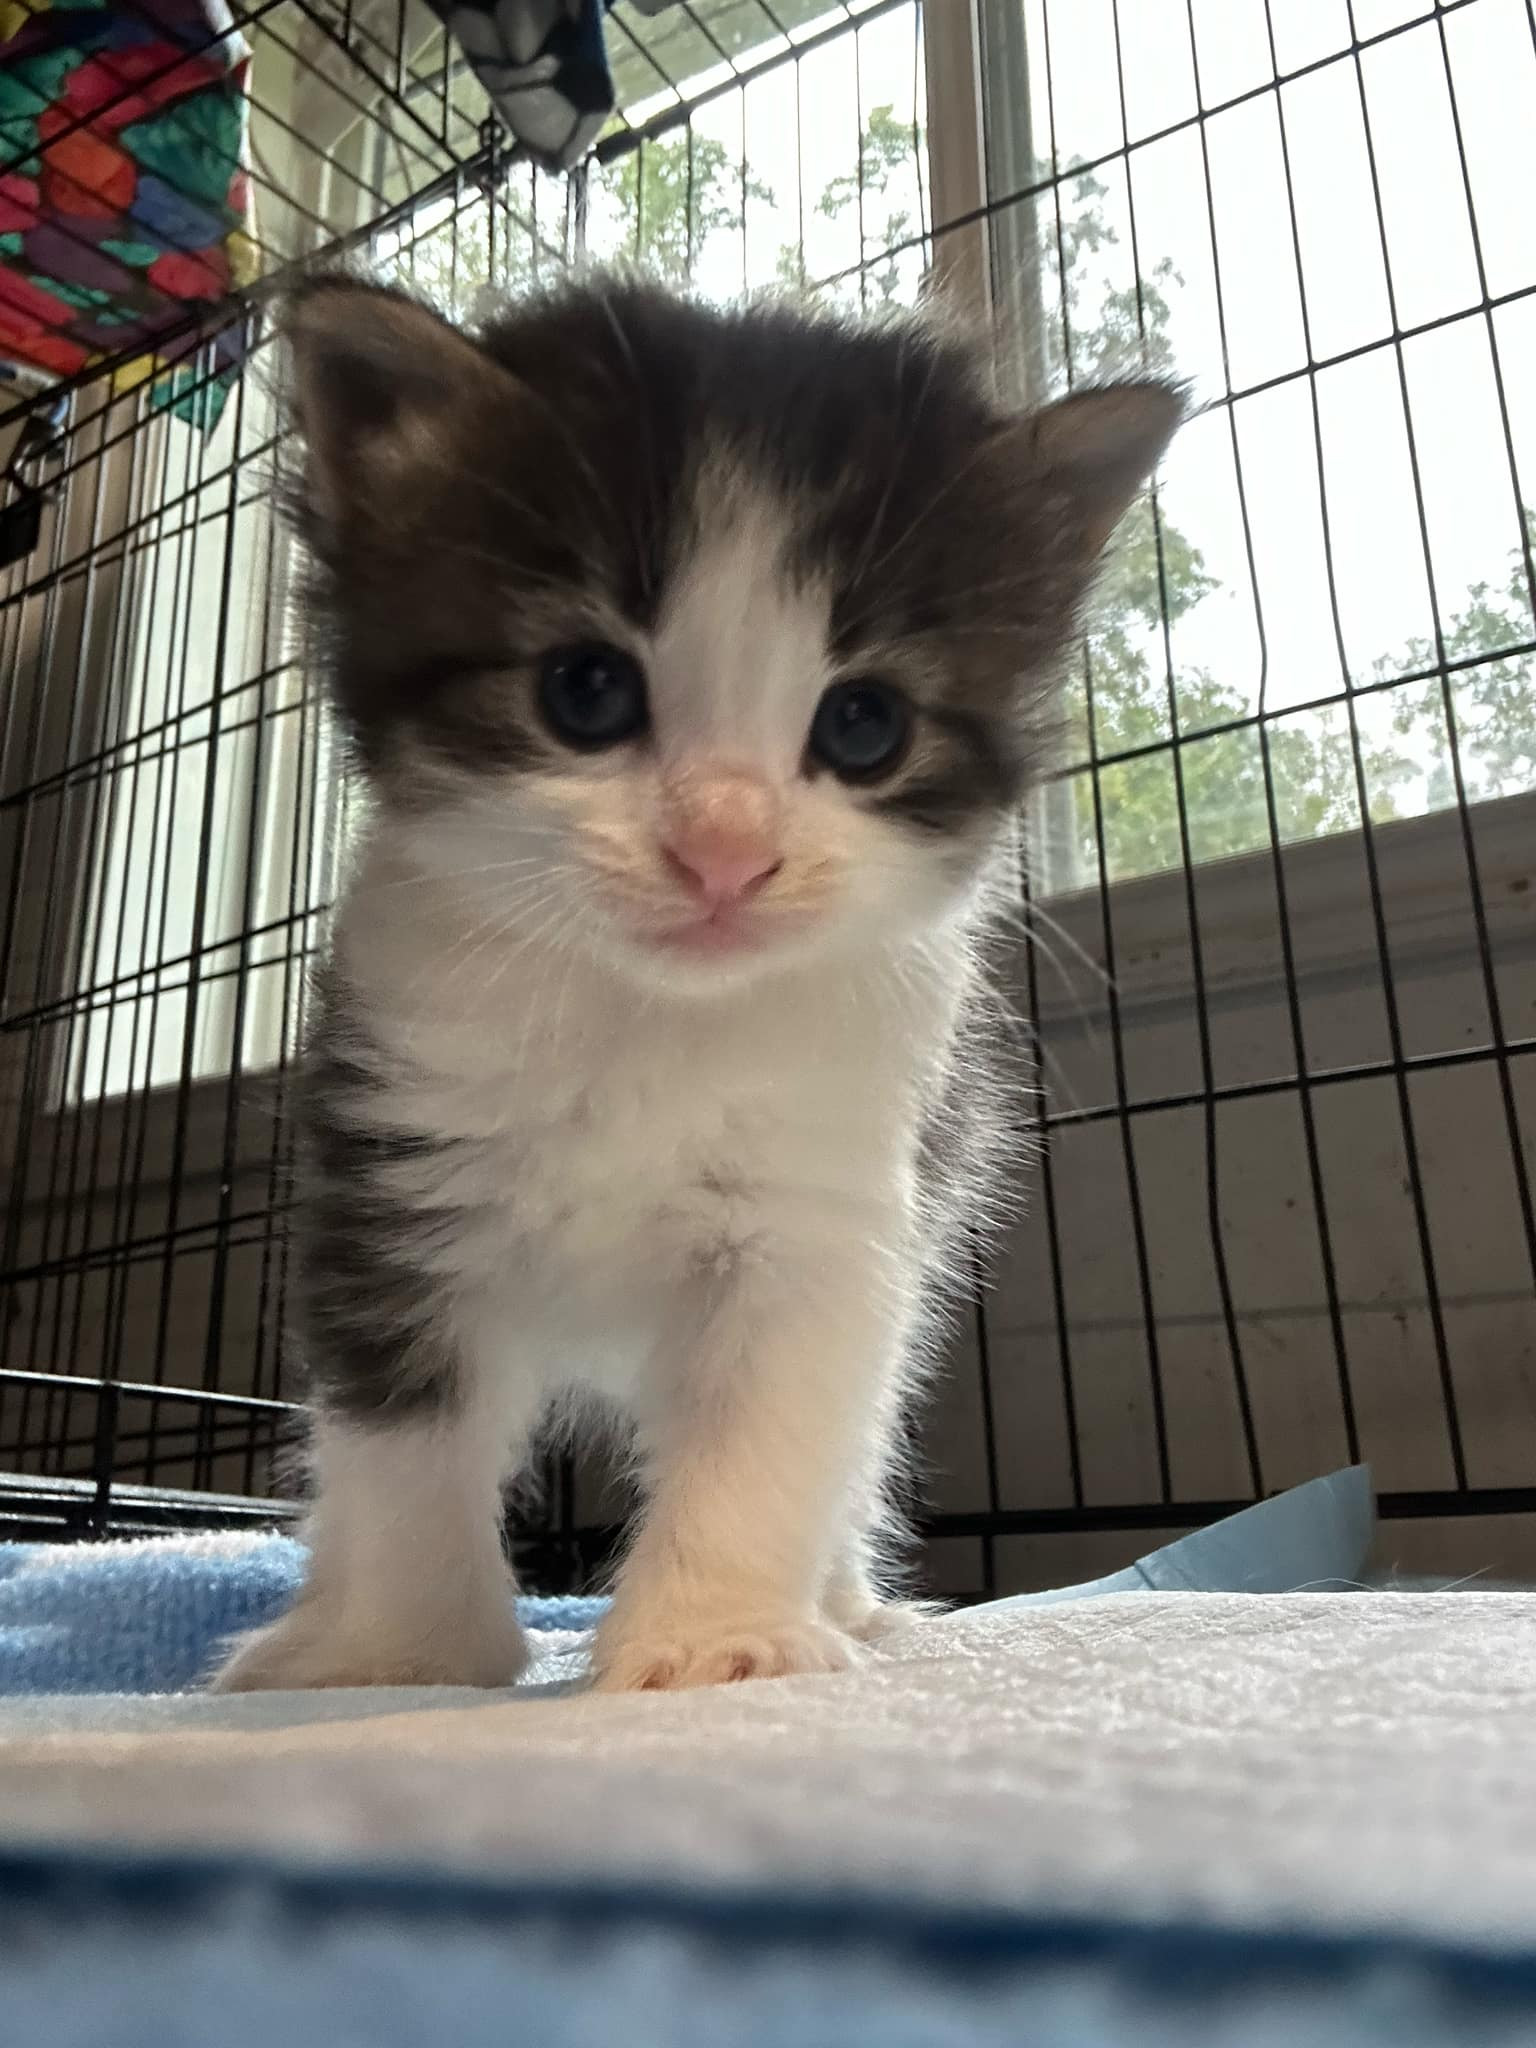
1098	446
381	385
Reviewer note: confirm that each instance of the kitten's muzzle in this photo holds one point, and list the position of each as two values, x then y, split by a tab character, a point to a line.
720	836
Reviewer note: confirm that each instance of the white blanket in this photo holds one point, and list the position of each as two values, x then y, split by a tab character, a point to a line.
1364	1759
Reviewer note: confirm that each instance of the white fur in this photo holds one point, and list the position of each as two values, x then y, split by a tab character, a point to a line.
743	658
408	1585
699	1178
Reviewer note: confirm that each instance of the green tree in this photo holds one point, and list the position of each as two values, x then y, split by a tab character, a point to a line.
1493	702
1104	330
668	197
450	253
677	191
887	148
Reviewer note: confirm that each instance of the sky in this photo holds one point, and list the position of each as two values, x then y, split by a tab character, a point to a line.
1432	270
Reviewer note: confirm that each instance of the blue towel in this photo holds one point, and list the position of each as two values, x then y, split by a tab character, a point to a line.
159	1952
150	1616
1313	1539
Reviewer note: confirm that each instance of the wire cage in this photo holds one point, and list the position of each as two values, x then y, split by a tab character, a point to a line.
1276	957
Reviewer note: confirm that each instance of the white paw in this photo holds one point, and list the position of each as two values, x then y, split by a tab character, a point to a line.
305	1650
672	1658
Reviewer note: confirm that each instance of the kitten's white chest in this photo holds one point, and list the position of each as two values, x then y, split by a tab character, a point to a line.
632	1150
606	1180
606	1154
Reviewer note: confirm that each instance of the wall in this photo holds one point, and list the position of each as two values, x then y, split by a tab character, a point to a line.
1267	1215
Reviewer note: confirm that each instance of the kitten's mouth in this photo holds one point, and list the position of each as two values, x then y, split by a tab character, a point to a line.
723	932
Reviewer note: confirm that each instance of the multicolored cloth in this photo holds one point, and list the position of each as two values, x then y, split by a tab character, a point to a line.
125	202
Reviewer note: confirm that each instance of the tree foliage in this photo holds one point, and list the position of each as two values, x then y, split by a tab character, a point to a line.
1493	701
886	149
1215	791
677	192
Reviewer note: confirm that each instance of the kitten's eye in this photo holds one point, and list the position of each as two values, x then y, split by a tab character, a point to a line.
861	729
592	696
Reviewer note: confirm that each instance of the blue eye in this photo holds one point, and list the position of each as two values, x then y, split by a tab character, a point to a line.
861	729
592	696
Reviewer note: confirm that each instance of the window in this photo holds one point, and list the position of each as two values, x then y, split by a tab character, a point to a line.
1317	216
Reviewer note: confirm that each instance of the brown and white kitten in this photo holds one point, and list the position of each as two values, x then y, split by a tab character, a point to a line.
696	663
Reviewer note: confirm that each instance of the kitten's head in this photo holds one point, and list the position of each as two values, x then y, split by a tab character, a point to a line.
717	638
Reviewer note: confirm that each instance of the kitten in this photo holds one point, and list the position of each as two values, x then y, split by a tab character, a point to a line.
695	663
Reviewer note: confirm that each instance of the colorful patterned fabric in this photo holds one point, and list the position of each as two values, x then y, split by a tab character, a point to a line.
124	199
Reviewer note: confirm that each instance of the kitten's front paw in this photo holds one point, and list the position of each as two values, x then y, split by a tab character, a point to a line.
302	1652
671	1659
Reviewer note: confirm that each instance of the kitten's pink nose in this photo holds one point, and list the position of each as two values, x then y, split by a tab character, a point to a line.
720	831
718	865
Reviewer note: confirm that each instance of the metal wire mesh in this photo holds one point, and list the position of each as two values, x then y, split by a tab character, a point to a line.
1276	950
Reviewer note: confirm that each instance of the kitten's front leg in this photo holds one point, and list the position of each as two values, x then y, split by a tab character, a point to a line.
856	1597
778	1404
407	1584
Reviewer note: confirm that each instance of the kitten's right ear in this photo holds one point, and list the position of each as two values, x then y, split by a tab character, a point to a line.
379	384
1099	444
